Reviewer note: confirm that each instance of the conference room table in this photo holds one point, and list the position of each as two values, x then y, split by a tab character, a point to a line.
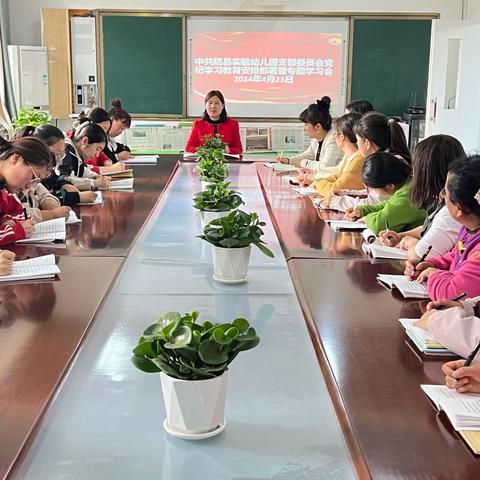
332	391
43	322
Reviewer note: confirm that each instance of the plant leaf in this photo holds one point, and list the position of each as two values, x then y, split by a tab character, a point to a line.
211	352
145	364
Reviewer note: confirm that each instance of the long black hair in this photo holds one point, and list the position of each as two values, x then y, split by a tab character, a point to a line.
117	112
92	131
385	133
318	112
359	106
33	151
463	184
382	168
50	134
345	125
431	160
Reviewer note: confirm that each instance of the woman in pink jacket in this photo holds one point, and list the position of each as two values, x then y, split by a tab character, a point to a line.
459	270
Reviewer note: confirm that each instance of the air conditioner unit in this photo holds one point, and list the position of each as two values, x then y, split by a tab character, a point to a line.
84	63
29	69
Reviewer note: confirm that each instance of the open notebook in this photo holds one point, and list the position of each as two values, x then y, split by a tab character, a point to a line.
462	409
408	288
142	160
281	167
306	191
424	340
47	231
34	268
339	225
381	251
98	200
122	184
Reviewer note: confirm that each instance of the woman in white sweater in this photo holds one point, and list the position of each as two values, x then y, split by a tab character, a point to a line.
323	153
431	161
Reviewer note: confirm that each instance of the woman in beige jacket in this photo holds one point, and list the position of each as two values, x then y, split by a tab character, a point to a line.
322	155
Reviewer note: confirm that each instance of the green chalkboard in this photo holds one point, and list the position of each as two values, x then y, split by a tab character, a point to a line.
390	63
143	62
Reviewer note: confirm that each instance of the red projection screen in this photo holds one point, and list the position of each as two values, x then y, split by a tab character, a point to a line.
266	68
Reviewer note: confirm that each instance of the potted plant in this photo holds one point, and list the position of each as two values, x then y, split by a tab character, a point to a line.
193	361
232	237
30	116
217	200
210	165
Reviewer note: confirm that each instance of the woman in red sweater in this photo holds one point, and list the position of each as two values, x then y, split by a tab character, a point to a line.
215	120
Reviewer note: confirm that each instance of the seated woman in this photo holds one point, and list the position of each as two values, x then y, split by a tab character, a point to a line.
430	162
457	271
322	156
388	174
215	120
349	175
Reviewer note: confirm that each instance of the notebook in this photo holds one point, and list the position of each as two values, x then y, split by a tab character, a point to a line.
98	200
381	251
408	288
121	174
305	191
281	167
47	231
34	268
72	218
142	160
424	340
339	225
462	409
123	184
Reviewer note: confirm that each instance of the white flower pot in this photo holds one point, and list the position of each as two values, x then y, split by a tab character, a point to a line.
207	216
195	408
230	265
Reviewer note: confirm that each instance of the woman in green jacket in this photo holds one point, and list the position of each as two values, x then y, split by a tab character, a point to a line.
388	174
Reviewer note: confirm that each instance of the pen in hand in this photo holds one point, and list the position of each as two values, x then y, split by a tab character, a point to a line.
456	298
25	214
472	356
422	259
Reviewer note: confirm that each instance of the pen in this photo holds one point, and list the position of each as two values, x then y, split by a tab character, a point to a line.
456	298
422	259
281	154
25	214
472	356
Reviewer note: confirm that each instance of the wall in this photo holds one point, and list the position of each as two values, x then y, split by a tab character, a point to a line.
26	28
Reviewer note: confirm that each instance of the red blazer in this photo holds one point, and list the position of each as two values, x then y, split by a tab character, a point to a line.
229	131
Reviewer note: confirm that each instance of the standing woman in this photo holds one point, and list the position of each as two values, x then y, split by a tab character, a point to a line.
215	120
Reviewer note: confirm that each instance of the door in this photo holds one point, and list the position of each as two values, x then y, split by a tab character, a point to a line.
453	104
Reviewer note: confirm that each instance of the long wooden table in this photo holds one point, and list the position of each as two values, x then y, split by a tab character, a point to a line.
42	323
301	230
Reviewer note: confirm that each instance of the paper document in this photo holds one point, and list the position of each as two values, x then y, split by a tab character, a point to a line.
424	340
39	267
123	184
142	160
120	174
47	231
72	218
381	251
281	167
305	191
97	201
462	409
408	288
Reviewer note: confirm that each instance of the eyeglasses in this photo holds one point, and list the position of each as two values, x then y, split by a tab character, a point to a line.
35	178
443	194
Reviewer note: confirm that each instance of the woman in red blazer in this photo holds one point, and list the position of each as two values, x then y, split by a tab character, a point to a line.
215	120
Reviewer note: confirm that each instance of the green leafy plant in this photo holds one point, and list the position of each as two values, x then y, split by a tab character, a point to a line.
235	230
210	165
181	348
217	197
30	116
